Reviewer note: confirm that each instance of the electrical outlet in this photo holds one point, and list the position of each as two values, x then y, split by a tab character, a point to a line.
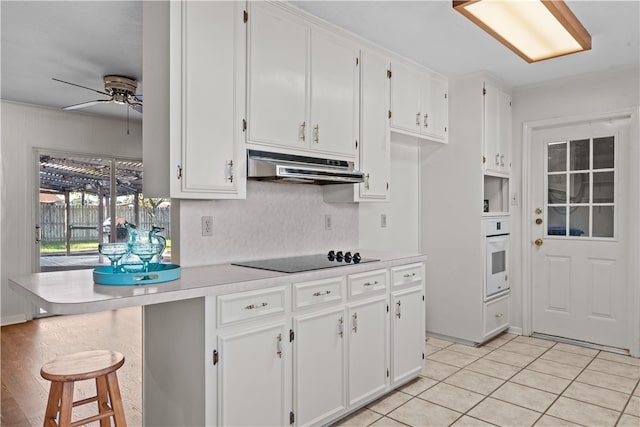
514	199
327	222
207	226
383	220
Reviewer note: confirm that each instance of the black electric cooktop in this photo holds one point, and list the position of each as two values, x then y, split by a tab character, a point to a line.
298	264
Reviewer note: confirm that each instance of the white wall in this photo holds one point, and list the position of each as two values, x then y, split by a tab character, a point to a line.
402	233
592	93
24	129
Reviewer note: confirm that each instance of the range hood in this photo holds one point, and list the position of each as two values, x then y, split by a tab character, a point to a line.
266	166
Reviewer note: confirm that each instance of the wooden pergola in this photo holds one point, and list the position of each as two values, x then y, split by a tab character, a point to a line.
64	175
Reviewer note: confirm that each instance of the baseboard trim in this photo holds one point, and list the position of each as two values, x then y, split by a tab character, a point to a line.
516	330
579	343
12	320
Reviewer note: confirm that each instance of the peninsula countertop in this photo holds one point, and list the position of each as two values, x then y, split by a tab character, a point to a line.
74	292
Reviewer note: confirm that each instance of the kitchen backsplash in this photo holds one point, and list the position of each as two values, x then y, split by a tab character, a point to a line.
275	220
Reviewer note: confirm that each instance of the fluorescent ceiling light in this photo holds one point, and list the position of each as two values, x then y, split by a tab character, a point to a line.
534	29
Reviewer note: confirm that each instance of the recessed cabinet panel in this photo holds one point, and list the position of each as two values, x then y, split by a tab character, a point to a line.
253	368
277	78
435	99
405	98
407	334
368	330
319	365
375	148
497	129
207	81
334	94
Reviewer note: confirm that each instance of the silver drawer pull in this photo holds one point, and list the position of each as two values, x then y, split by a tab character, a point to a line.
499	315
320	293
398	311
375	282
341	326
355	323
407	276
252	306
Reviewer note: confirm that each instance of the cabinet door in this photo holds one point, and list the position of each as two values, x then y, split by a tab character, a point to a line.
207	145
504	131
491	127
334	94
405	98
277	78
319	365
367	349
407	334
254	367
375	152
435	108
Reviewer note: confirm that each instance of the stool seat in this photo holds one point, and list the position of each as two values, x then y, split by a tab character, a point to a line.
63	371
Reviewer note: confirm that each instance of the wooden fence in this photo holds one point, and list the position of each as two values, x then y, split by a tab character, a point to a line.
52	221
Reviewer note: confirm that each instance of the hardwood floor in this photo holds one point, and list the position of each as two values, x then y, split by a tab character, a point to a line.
25	347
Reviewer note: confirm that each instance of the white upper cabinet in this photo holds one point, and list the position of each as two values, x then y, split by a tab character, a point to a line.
303	85
277	78
419	103
207	51
374	127
497	129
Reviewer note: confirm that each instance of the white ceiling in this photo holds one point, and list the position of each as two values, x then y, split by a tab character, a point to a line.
81	41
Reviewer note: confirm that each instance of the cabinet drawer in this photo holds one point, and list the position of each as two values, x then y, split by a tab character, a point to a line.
307	294
368	283
406	274
496	315
241	306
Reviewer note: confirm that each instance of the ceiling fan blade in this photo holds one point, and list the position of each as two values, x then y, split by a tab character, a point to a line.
86	104
137	107
83	87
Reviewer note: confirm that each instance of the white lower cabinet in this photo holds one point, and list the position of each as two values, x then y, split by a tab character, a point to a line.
253	376
368	329
312	352
319	365
407	334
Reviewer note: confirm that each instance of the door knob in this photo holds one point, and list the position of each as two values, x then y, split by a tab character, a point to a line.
538	211
538	221
538	242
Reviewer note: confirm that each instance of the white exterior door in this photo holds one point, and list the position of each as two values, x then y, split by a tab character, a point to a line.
580	232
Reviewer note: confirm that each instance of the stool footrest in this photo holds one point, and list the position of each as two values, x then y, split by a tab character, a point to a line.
85	401
93	418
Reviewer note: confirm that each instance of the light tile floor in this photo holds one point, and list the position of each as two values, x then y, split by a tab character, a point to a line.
512	381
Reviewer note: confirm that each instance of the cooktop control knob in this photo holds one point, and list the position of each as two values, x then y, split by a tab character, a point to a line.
339	256
356	257
331	255
347	257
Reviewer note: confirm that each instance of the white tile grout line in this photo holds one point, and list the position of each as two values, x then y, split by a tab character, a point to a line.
516	373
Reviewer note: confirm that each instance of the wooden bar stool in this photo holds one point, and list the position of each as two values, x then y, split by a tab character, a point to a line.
100	365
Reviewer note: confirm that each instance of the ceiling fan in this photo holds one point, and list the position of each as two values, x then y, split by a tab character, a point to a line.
119	89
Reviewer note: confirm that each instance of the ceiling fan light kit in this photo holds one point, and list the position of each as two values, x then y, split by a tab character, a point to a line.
535	30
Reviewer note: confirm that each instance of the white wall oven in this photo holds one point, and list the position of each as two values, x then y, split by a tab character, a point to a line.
496	244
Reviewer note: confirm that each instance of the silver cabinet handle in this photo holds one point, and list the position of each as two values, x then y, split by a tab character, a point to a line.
502	160
398	310
38	234
355	323
426	116
375	282
498	159
303	131
254	306
407	276
279	345
499	315
320	293
341	326
316	134
179	173
366	182
229	171
418	118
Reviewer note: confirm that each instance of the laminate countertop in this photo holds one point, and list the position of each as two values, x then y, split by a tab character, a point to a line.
74	292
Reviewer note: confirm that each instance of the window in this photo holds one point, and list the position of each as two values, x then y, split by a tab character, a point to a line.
580	188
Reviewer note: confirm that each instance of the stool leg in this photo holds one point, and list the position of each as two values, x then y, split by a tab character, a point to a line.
116	400
102	393
53	404
66	404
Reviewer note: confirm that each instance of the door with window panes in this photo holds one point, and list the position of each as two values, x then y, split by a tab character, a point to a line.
579	265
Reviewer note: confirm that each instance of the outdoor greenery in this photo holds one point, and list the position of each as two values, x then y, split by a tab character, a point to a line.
50	248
